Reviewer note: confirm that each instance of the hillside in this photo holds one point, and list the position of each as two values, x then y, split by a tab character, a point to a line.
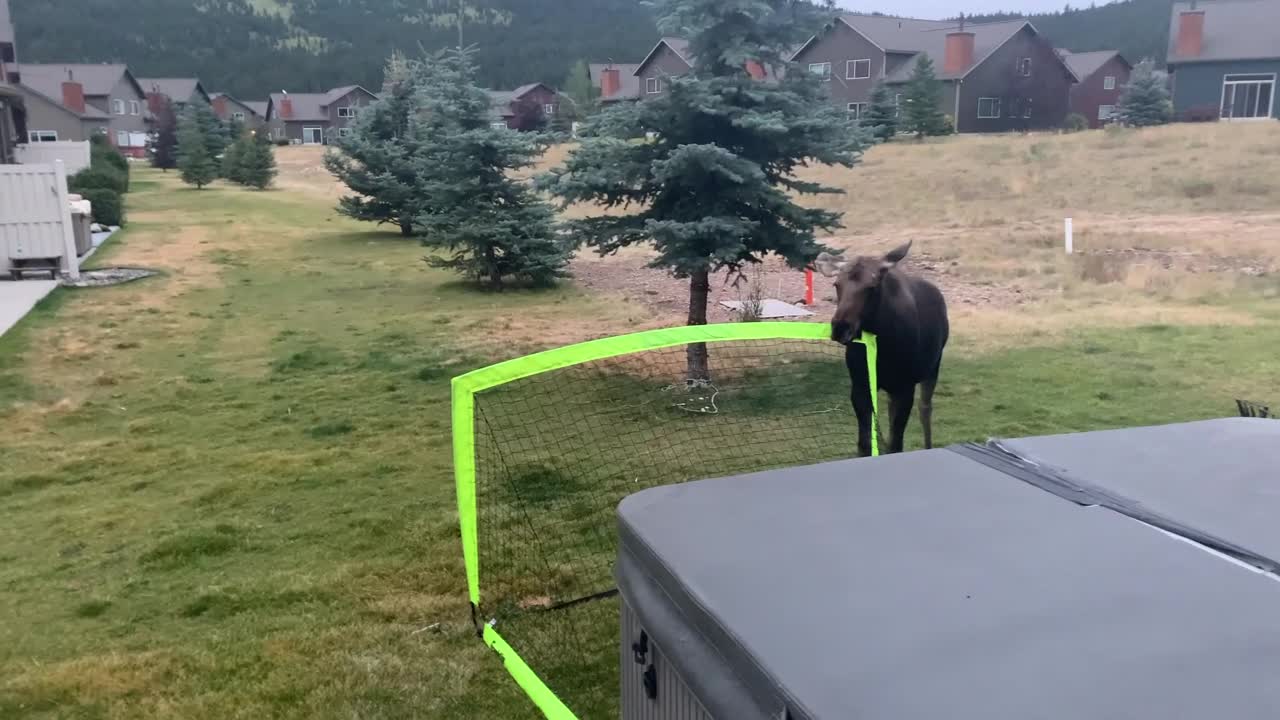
252	47
1137	28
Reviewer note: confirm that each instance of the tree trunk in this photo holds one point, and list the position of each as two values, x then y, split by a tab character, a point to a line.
406	227
699	288
495	273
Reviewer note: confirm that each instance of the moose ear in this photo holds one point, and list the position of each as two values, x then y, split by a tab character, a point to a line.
830	265
894	256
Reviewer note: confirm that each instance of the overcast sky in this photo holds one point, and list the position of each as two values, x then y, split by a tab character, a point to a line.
938	9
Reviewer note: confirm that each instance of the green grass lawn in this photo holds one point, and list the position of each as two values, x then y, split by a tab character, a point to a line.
225	492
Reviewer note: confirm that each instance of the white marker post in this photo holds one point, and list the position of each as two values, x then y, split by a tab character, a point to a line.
1068	235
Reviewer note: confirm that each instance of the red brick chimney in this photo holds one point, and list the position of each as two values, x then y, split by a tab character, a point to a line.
755	69
220	107
959	52
286	108
73	95
610	82
1190	41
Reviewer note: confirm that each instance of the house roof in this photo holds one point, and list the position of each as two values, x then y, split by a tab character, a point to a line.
500	101
677	45
1087	63
250	106
628	83
97	79
1233	30
178	90
257	106
338	93
90	113
909	36
307	107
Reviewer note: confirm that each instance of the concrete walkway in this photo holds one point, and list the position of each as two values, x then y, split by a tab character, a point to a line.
17	297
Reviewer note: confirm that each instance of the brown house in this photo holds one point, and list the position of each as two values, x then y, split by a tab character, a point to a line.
669	58
616	81
1103	75
997	77
251	115
528	107
315	118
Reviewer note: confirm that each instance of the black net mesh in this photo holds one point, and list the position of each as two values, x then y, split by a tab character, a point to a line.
1253	409
556	452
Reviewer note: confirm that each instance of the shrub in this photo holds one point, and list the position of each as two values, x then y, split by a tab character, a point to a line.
108	207
281	142
98	176
1075	122
109	156
1198	188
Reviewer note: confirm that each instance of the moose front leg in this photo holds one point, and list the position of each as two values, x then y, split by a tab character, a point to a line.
863	409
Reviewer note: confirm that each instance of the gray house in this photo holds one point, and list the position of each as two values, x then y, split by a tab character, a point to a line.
1224	57
997	77
252	115
71	102
315	118
669	58
179	91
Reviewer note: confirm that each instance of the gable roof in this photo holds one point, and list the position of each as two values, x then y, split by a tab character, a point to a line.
679	46
259	111
1088	63
338	93
97	79
90	113
910	36
628	82
501	101
307	107
258	106
1233	30
179	90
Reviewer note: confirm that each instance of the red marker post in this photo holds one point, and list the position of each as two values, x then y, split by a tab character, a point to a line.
808	287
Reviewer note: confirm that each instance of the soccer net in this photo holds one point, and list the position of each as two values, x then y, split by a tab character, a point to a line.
546	446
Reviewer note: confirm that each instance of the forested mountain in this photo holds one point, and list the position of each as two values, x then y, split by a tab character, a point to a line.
1137	28
252	47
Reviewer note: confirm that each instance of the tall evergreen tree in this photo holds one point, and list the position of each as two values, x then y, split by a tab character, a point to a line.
1145	100
921	113
194	159
712	188
881	118
491	225
257	161
233	158
217	135
578	86
378	160
163	148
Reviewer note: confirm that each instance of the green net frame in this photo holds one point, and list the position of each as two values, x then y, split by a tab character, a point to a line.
465	387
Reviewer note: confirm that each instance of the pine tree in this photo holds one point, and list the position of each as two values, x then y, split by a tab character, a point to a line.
378	160
921	114
194	159
257	161
491	225
233	159
217	136
881	118
163	148
579	88
1145	100
712	188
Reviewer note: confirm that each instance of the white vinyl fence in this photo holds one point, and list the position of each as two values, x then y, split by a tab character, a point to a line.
73	154
35	217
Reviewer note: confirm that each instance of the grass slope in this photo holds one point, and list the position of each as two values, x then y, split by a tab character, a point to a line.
226	491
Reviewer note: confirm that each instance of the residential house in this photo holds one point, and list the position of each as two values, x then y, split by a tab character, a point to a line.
13	115
615	81
669	58
250	114
996	77
1103	75
71	102
315	118
179	91
1224	57
527	107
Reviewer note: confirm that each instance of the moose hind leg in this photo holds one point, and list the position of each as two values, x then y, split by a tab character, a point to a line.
899	413
926	410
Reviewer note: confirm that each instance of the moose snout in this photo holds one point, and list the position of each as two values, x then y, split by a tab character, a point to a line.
843	332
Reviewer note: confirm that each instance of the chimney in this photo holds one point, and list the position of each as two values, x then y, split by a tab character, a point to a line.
755	69
1190	41
220	107
286	108
73	95
610	82
959	52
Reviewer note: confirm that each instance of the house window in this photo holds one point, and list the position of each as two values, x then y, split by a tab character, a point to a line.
344	132
1109	82
1248	97
822	70
498	125
133	107
653	85
42	136
122	138
857	69
549	109
897	105
348	112
237	116
988	108
858	110
1024	67
1106	111
117	107
1026	108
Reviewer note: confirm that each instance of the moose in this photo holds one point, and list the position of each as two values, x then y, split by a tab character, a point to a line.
908	316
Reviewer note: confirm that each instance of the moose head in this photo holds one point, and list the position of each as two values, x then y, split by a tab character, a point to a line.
857	283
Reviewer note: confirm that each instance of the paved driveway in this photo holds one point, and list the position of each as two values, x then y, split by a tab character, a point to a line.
18	297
